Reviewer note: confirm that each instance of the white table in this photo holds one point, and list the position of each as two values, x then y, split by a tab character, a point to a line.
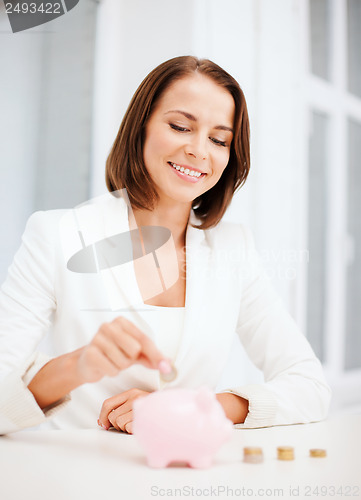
96	464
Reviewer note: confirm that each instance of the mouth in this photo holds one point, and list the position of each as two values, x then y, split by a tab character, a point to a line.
188	172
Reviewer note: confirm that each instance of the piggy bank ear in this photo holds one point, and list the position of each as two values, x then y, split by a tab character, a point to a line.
205	399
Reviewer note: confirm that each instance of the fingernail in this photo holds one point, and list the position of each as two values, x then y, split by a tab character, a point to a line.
170	375
105	428
164	366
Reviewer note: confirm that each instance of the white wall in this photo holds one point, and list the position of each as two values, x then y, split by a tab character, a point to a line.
45	119
20	61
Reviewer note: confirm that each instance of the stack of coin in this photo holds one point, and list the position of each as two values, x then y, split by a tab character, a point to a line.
317	452
285	453
252	455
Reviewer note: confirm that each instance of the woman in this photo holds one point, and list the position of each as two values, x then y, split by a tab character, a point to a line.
181	152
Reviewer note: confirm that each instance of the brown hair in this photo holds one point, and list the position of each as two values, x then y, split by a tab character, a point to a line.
125	166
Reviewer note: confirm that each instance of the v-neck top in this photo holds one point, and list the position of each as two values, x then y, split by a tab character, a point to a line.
167	324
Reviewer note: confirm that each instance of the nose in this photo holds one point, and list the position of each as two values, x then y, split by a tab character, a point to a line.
197	148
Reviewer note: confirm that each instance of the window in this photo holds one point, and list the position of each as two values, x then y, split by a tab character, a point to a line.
333	100
317	231
65	111
353	290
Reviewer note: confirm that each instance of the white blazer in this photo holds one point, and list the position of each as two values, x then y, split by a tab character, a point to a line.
226	294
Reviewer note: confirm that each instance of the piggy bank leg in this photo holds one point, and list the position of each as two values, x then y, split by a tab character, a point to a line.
157	461
203	462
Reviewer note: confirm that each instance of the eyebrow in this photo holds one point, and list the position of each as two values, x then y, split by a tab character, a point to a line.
194	119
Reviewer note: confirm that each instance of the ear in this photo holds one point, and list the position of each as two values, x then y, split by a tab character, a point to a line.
205	399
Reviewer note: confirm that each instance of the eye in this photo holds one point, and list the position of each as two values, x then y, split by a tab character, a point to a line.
178	128
218	142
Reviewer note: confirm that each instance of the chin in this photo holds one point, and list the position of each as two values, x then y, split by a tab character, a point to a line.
180	197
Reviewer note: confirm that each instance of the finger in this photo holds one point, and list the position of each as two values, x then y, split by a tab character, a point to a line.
112	422
149	355
120	421
116	414
98	364
109	405
124	340
129	427
114	353
121	403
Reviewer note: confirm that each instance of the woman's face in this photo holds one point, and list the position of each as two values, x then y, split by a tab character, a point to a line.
188	138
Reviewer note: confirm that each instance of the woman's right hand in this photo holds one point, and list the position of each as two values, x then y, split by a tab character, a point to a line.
116	346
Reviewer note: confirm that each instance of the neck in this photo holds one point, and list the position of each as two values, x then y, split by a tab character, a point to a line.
172	216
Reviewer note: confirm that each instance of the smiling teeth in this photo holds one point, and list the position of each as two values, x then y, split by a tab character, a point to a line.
186	171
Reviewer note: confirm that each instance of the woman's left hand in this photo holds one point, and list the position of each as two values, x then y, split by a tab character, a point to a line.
117	411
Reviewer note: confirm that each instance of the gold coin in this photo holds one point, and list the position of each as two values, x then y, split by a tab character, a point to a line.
317	452
285	453
252	455
252	450
169	377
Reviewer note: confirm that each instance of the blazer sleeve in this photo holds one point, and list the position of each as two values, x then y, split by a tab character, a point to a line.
27	305
294	388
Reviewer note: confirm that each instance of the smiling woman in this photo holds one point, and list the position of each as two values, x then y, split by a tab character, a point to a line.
181	152
203	106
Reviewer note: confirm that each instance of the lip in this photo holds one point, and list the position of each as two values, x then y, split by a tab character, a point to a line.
186	177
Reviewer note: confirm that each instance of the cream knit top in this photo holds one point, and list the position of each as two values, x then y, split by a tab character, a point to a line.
167	324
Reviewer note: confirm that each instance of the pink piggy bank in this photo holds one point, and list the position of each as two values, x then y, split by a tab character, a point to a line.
180	425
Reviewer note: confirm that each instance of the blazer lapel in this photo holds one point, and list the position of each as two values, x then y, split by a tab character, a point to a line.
197	262
120	281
